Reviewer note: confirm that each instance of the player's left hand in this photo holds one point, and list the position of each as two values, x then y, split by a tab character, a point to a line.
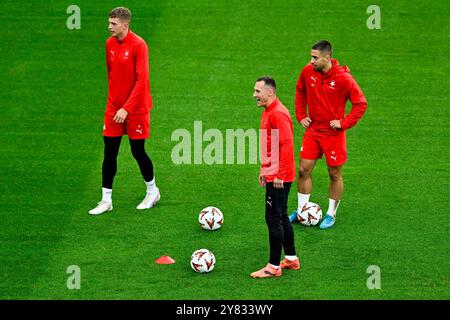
278	184
120	116
335	124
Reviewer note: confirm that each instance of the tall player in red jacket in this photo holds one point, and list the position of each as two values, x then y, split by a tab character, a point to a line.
276	175
323	89
128	107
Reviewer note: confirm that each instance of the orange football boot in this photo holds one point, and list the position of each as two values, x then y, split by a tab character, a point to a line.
267	272
290	264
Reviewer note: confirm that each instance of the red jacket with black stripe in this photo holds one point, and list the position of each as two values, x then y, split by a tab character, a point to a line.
277	143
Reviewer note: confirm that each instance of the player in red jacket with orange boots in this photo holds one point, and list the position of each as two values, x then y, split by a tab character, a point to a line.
276	175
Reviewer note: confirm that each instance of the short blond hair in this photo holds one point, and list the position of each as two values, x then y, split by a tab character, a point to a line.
122	13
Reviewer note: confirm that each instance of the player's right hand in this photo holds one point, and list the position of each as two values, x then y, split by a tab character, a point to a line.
262	180
306	122
120	116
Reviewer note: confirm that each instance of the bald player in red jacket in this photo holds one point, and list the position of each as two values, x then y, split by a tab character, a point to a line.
276	175
322	91
128	107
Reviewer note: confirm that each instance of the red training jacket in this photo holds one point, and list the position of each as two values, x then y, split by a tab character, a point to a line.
326	94
281	165
128	75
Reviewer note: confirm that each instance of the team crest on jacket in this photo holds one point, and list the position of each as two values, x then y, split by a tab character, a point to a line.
332	84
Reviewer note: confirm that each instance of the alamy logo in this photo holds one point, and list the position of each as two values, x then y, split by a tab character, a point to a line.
374	20
74	278
236	146
374	280
74	20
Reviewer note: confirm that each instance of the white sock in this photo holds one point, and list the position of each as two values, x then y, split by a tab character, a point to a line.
276	267
151	186
302	199
332	207
291	258
106	195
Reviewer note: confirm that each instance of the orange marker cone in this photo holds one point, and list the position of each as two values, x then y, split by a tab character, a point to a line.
164	260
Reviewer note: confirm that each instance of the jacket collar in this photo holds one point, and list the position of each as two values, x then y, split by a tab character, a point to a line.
332	71
272	105
127	37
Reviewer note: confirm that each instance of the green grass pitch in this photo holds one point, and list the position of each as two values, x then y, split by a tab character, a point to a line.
204	59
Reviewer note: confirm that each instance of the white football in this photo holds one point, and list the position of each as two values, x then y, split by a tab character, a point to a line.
203	261
210	218
310	214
